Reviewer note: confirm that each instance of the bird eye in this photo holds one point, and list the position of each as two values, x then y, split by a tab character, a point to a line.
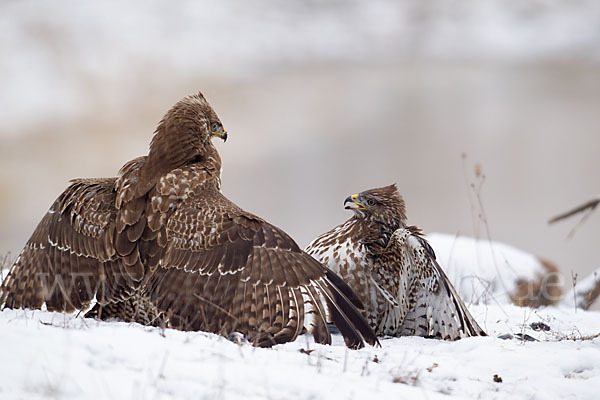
371	202
215	126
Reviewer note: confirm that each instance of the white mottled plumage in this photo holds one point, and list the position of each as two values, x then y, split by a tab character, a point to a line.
343	258
393	270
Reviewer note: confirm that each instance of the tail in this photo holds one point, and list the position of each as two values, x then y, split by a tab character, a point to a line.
344	305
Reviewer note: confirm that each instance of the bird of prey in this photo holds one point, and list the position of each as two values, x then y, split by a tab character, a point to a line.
160	245
393	270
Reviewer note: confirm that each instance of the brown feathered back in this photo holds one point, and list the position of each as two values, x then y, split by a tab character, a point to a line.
161	245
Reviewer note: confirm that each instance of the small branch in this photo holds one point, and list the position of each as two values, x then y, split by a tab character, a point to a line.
586	208
574	277
590	205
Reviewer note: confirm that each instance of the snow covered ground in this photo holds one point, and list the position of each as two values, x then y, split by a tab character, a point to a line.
57	356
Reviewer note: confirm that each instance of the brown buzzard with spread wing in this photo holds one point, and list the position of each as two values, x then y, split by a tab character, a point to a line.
161	245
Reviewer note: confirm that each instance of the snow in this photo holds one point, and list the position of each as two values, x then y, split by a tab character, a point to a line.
483	270
583	286
62	356
58	356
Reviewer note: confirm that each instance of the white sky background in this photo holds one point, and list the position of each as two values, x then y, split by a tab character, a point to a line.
322	99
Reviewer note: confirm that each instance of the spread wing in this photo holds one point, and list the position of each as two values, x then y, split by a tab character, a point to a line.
225	270
423	300
70	257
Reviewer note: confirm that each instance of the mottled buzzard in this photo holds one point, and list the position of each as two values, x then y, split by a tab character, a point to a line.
393	270
161	245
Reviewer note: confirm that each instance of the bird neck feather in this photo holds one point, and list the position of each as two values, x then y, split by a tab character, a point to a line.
377	231
172	147
169	152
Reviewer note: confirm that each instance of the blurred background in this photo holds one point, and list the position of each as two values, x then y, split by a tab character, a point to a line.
321	99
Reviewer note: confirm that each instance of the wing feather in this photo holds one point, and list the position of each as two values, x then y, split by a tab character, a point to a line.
249	276
426	303
64	258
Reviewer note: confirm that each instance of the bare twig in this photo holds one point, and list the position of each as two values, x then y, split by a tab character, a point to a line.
469	186
585	208
586	291
592	204
590	296
5	264
477	188
574	277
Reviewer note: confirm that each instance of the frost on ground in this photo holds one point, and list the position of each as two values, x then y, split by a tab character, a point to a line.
58	356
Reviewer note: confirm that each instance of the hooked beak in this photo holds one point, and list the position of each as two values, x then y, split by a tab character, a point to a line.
351	203
222	135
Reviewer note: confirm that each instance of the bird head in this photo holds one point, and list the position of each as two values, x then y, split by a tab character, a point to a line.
194	116
383	204
185	132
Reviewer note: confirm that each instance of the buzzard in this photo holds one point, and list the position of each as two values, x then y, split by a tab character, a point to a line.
160	245
393	270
